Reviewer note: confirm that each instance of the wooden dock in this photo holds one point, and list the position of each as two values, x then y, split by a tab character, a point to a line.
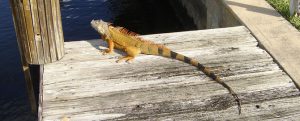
86	85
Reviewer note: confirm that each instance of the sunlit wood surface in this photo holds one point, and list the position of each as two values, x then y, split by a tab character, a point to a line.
86	85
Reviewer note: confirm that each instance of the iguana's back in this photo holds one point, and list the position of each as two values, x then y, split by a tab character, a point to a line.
125	38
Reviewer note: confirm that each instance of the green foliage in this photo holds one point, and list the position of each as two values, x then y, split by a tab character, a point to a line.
282	6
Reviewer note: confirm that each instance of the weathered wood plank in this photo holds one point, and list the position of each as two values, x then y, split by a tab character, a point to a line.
86	85
197	39
274	32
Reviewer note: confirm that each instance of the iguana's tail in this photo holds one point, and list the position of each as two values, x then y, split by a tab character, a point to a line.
170	54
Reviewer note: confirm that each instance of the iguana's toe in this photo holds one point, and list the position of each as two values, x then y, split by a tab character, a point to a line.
107	51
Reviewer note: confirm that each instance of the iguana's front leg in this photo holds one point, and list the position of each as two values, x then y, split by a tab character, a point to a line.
110	47
132	52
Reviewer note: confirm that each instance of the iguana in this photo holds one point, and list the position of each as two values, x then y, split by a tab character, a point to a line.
123	39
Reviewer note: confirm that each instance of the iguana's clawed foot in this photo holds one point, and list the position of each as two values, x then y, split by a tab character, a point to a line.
128	59
107	51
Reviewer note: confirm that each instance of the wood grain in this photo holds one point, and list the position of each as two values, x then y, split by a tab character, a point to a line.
273	32
44	31
86	85
39	29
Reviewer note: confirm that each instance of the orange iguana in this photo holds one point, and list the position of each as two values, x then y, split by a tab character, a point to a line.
123	39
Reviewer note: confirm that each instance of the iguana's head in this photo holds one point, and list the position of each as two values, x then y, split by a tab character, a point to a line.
100	26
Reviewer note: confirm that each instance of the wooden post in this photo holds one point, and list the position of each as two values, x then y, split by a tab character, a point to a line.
298	8
39	32
294	7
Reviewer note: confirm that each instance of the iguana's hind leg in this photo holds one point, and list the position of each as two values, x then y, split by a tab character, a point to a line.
132	52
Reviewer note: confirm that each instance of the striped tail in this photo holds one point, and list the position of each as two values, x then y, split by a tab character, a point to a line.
170	54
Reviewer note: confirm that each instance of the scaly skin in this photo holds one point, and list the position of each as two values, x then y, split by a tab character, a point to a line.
121	38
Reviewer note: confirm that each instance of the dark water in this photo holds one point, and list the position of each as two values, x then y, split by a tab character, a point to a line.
13	100
141	16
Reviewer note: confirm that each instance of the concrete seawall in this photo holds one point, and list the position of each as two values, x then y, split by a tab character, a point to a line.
206	14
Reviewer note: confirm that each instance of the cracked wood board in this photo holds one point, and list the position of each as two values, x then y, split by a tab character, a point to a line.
86	85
